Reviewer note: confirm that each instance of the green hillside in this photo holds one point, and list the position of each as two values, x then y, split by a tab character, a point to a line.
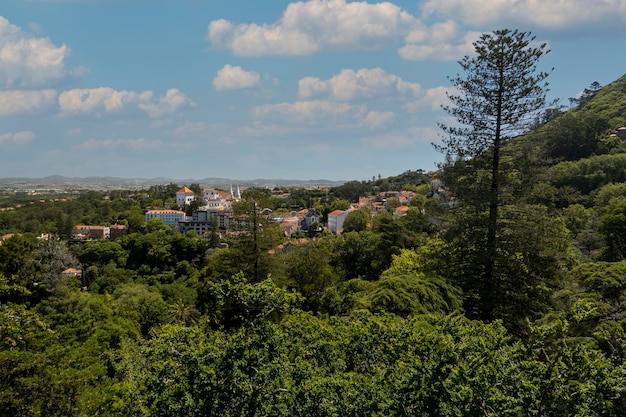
609	104
383	319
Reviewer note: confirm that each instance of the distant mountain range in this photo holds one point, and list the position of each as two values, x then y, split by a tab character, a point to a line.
61	182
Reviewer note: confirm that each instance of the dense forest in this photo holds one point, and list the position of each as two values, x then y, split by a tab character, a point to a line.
389	318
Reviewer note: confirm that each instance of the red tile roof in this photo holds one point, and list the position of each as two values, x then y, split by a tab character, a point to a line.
184	190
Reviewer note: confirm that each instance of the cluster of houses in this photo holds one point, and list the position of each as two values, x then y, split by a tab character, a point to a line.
215	214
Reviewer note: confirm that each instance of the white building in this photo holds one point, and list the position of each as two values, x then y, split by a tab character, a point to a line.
336	219
169	217
184	196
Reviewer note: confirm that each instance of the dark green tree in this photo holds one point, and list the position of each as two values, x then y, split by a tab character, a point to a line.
499	94
357	220
257	235
612	227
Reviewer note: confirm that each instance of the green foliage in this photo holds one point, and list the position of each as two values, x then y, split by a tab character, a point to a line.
17	255
607	103
533	250
357	220
236	302
576	218
258	234
142	305
405	290
573	136
308	271
586	175
606	193
363	365
357	255
498	95
56	362
613	228
346	296
101	253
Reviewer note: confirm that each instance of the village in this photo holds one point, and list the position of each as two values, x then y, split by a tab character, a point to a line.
213	213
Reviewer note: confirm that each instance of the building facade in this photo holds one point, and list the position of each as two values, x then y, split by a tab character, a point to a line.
184	196
169	217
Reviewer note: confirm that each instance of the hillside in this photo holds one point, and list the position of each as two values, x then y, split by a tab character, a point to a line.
609	103
381	319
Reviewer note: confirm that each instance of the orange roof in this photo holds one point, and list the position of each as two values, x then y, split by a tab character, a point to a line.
184	190
335	213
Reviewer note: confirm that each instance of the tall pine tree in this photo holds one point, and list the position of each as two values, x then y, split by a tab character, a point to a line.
495	99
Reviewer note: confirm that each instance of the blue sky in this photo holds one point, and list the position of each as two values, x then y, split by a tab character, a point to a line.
248	89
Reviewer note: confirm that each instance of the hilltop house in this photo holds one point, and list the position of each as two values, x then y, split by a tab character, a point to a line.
184	197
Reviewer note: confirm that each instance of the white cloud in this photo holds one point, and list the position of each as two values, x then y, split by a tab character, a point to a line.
443	41
18	138
25	102
98	100
432	99
365	83
170	103
235	78
308	27
139	144
272	130
27	61
316	112
377	119
550	14
193	129
106	100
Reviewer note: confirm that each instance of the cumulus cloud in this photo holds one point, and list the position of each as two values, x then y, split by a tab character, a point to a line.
308	27
173	101
235	78
14	102
106	100
17	138
377	119
443	41
549	14
283	118
365	83
316	112
432	99
138	144
27	61
99	100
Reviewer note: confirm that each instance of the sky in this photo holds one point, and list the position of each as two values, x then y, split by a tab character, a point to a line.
248	89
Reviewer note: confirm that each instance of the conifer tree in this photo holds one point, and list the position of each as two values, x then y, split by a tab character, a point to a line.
497	96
